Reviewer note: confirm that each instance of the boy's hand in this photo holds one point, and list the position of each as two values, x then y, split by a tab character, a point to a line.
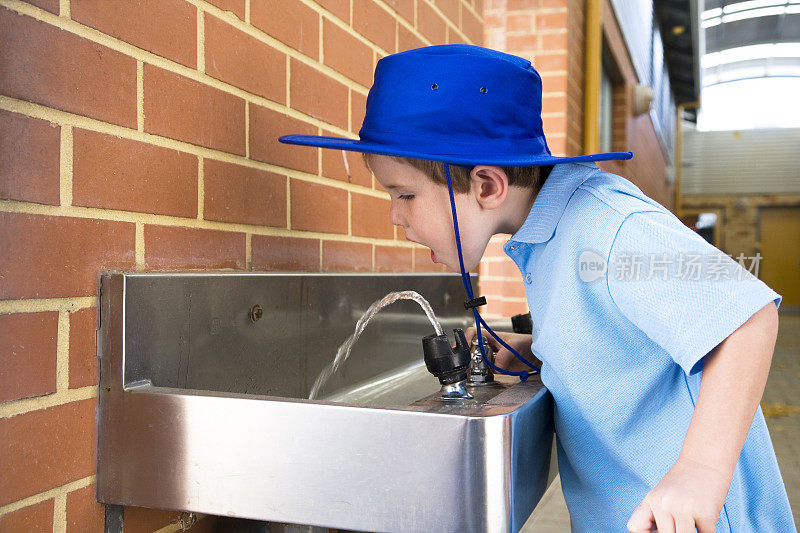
504	358
690	496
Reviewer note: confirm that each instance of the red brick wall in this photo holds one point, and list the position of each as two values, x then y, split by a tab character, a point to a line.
141	135
551	34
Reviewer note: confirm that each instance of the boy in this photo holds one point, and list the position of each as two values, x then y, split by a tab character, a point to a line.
656	375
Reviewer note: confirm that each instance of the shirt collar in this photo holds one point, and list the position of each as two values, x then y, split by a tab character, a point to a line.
551	201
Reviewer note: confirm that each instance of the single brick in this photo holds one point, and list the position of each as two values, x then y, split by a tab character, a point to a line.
526	42
370	217
44	449
315	94
375	23
554	83
453	37
430	24
28	344
551	21
404	8
83	348
167	28
187	110
33	518
472	26
29	159
519	5
554	104
553	41
407	40
234	6
333	166
343	256
284	253
292	23
522	21
551	61
45	65
449	9
49	5
235	193
266	126
346	54
340	8
317	207
60	257
244	61
175	248
393	259
114	173
84	512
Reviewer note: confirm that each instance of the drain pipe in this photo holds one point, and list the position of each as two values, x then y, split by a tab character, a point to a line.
593	61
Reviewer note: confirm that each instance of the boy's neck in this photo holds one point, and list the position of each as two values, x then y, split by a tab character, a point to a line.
516	207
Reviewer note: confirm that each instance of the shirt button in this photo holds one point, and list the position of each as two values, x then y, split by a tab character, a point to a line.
528	278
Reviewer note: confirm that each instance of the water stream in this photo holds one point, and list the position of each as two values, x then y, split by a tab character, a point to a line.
344	350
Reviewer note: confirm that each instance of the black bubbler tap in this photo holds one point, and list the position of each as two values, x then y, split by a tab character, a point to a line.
449	366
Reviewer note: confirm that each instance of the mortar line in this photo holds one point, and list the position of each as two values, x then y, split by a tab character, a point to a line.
64	9
349	214
320	254
60	513
48	494
288	203
66	146
13	206
288	81
201	187
64	118
139	95
248	251
247	11
140	246
201	41
247	130
26	405
62	351
36	305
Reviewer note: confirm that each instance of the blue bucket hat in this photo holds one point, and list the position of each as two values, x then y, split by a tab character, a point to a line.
457	103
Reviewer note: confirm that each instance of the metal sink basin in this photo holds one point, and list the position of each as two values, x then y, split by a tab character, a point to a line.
202	406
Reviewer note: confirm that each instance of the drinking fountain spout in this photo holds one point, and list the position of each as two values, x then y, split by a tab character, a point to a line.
449	366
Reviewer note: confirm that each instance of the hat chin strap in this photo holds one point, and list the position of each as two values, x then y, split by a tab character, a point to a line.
524	375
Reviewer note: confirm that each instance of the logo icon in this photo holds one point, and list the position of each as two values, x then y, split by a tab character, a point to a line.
591	266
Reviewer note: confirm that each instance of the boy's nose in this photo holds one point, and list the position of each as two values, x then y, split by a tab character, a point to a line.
394	216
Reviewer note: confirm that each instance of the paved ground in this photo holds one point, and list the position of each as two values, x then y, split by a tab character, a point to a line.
781	405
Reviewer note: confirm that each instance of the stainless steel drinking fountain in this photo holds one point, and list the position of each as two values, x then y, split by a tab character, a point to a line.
203	380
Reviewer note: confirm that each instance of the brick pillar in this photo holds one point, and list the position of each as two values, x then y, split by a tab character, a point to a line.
549	33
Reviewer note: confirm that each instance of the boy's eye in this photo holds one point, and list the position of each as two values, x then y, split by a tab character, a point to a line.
405	197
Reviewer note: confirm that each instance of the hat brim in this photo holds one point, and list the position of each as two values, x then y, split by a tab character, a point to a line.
355	145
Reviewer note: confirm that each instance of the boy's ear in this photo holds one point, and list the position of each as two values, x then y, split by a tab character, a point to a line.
489	185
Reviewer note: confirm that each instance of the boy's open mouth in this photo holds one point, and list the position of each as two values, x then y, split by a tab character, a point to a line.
433	256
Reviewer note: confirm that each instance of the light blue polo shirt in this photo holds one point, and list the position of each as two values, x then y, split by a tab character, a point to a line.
625	302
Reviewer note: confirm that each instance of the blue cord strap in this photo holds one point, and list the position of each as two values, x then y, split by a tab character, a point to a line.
471	300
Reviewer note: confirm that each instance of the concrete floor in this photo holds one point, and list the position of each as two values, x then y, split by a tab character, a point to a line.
781	406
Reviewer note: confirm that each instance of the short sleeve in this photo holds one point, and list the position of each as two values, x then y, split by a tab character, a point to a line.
682	292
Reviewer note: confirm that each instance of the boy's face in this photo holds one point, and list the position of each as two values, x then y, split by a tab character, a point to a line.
422	208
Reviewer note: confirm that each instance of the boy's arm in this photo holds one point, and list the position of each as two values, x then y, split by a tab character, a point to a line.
734	376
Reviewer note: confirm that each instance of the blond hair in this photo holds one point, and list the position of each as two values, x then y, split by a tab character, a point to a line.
527	177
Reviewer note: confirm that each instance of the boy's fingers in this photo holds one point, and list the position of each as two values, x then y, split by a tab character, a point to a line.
642	519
